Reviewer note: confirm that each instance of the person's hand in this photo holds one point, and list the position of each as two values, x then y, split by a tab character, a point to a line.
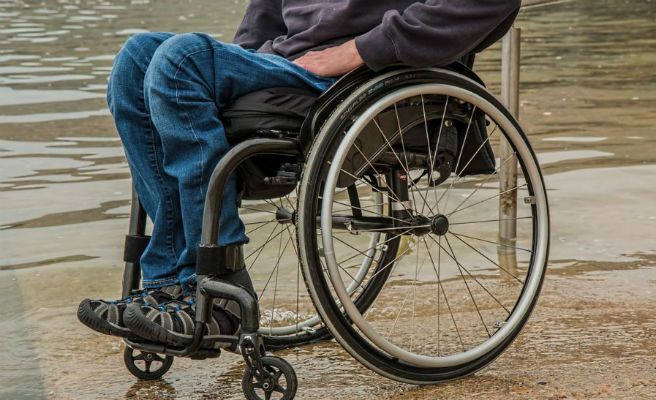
333	61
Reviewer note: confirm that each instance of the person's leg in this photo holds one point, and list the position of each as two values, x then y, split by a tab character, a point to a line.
158	194
191	78
156	190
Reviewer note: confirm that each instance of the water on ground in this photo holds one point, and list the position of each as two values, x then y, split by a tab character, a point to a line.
588	104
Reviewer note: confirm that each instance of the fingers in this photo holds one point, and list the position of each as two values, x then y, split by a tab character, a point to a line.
310	62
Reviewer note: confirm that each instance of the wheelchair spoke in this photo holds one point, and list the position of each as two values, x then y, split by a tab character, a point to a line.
489	220
488	258
405	156
439	286
353	248
439	134
491	242
432	156
487	199
365	210
460	266
439	264
404	166
298	290
389	194
275	288
481	184
459	177
274	271
471	295
391	263
341	267
464	141
339	263
414	298
453	318
408	295
392	229
258	210
260	222
391	330
270	238
437	275
259	227
260	249
378	174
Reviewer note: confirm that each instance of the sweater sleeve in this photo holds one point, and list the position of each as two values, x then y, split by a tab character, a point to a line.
437	32
262	22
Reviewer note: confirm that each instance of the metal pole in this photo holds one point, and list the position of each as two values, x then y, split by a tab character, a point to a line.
510	61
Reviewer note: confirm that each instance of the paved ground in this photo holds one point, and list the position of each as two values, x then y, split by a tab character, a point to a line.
591	336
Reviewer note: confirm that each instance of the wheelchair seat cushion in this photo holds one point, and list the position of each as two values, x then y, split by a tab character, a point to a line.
278	109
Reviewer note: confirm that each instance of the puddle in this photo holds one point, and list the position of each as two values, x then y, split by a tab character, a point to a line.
573	139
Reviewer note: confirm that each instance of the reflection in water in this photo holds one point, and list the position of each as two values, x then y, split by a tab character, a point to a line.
588	100
508	263
159	389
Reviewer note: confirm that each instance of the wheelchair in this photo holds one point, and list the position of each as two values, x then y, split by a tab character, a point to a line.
374	219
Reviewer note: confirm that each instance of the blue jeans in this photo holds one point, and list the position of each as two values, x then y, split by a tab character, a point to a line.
166	93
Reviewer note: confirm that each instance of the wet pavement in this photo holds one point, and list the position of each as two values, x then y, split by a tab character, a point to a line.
588	103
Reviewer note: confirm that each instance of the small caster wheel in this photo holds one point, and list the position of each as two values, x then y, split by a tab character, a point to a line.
146	366
280	385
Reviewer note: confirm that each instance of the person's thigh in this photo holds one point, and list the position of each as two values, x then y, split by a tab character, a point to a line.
196	64
190	80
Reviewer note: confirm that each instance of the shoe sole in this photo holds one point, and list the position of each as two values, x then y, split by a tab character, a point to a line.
88	317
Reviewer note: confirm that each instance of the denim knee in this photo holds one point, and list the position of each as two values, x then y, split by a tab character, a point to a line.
178	47
174	52
132	60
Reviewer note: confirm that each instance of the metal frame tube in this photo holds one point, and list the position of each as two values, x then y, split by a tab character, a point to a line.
250	315
510	62
132	271
223	170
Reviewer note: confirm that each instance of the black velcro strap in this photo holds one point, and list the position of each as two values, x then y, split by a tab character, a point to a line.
220	260
134	247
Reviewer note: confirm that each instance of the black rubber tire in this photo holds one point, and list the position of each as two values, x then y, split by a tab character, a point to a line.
311	188
129	360
274	365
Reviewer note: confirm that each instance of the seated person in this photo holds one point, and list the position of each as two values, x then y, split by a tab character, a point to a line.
166	93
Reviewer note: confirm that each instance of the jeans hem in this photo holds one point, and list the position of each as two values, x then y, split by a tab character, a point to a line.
159	283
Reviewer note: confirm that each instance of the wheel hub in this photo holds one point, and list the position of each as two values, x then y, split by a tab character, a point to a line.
421	225
284	216
440	225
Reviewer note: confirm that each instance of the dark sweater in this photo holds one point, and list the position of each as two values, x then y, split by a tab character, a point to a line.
411	32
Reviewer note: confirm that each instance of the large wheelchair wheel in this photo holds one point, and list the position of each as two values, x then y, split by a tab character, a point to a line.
456	293
288	317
